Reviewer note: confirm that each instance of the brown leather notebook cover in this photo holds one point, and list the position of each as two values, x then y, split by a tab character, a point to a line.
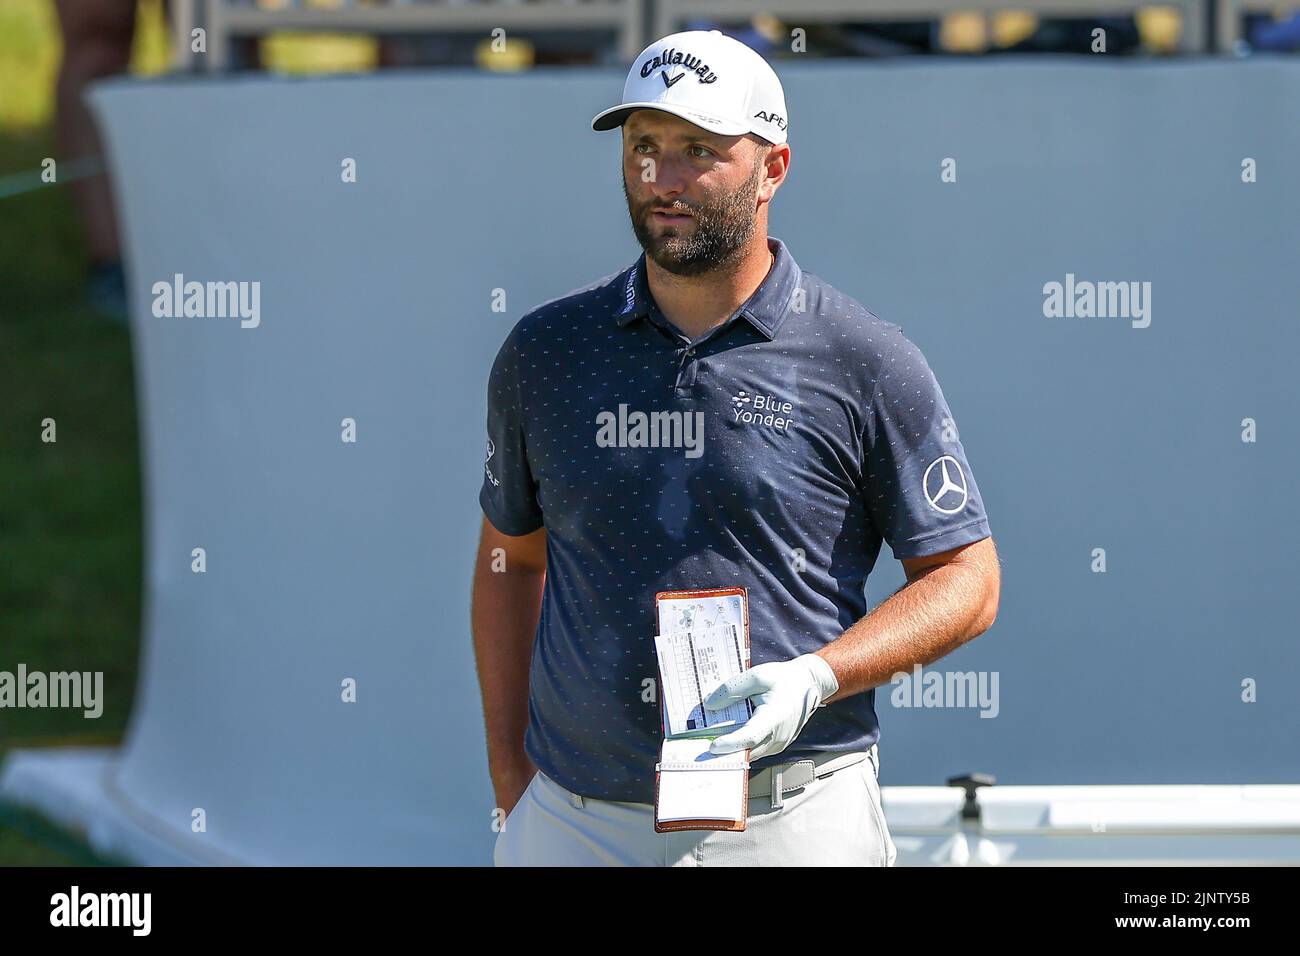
744	803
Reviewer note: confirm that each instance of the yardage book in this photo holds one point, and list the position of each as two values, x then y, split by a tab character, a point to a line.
703	640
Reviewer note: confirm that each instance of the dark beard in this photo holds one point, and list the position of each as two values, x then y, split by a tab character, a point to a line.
722	232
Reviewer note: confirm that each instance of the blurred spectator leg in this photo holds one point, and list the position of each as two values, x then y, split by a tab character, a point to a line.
96	43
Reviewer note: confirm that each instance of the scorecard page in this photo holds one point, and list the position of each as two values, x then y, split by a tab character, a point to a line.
711	789
694	661
701	610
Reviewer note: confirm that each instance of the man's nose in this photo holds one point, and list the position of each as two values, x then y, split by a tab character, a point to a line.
670	179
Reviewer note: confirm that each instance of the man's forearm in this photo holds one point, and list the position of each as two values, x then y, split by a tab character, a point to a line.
924	621
503	617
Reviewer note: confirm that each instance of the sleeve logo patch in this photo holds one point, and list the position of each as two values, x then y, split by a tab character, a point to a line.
944	485
491	450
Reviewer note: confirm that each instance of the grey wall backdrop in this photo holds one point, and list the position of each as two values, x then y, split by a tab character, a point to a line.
329	561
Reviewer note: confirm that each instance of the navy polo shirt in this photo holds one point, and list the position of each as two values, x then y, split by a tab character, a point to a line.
775	451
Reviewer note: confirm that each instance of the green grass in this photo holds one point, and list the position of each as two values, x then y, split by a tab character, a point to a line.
70	524
28	840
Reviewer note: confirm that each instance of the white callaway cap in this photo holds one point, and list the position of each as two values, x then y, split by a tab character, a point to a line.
706	78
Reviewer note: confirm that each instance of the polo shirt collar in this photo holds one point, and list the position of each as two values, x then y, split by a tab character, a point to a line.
766	309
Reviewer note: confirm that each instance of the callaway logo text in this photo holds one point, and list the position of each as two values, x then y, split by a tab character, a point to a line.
671	57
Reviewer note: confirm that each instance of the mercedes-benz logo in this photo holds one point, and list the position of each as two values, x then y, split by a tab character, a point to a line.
947	492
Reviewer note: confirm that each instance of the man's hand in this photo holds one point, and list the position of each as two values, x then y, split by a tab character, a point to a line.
786	694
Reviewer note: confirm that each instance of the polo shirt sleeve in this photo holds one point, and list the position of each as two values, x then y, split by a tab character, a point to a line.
509	493
920	490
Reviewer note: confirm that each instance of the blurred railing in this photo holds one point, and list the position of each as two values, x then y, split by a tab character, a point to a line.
637	22
670	14
224	20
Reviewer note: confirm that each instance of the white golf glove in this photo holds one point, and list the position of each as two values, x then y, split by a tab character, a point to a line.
785	694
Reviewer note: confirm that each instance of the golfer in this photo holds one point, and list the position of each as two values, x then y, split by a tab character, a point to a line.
711	416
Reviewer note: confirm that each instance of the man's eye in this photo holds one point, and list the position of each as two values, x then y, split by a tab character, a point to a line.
703	151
